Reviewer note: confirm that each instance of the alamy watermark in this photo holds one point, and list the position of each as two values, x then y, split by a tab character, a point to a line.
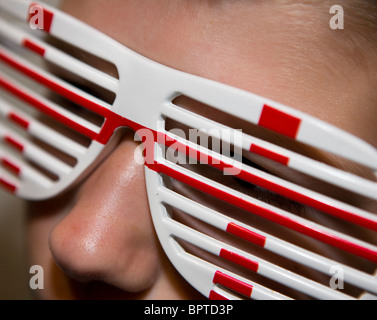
36	17
337	20
36	281
337	279
197	146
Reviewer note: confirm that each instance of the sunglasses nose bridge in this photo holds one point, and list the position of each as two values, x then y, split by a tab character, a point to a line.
144	88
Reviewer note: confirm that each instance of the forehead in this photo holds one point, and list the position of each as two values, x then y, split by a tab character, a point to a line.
285	51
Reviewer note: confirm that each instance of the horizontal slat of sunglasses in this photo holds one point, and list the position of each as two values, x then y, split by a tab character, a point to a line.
192	267
264	240
8	182
278	185
17	8
252	262
48	107
267	211
259	110
34	153
14	35
35	129
278	118
61	26
51	54
291	159
210	278
262	114
371	186
75	95
40	131
352	276
360	279
22	171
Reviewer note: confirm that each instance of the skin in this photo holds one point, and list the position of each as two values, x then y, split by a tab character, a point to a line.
96	241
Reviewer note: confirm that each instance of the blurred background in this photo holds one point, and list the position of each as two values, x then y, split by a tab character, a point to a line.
14	275
14	271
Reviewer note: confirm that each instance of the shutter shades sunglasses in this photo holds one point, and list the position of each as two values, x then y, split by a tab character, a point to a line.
40	159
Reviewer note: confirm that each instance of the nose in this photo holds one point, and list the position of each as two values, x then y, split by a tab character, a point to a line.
108	235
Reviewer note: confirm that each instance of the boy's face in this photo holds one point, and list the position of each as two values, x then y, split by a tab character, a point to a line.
98	240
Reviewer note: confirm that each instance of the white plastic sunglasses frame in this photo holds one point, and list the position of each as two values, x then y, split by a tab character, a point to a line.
144	94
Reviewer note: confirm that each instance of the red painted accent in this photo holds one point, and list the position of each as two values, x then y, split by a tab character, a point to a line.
14	143
48	16
46	109
18	120
8	186
12	167
246	234
34	47
240	260
269	214
112	120
269	154
274	187
232	283
279	121
213	295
